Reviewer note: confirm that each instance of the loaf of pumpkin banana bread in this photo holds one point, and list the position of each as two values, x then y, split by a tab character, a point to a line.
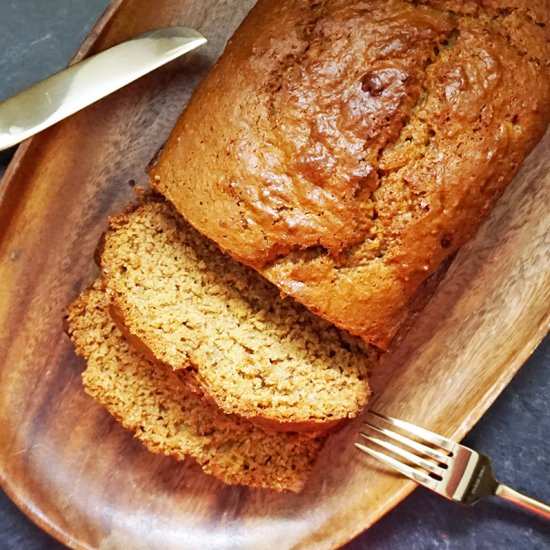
345	148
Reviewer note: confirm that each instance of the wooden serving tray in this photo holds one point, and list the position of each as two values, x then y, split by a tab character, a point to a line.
78	474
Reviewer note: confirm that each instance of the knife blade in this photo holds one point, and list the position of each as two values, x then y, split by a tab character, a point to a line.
86	82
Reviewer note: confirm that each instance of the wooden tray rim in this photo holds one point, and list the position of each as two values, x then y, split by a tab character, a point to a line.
43	521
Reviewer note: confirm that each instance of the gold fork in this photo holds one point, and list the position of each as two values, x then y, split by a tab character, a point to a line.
452	470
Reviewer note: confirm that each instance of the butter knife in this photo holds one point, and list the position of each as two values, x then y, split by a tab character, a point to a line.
84	83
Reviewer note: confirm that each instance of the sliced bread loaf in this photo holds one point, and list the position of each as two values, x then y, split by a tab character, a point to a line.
345	148
194	308
151	401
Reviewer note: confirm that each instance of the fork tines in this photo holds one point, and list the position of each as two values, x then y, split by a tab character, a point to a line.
433	452
448	468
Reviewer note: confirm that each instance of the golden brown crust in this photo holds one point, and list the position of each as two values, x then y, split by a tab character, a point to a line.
311	428
347	157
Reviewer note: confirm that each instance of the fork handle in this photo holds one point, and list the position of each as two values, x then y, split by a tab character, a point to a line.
529	503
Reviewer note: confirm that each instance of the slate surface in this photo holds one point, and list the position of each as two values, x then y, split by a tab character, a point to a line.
38	37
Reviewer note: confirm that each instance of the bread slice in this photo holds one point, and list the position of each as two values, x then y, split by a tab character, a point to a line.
194	308
151	401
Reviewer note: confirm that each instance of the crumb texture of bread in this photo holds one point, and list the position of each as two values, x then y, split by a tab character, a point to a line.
195	308
151	401
346	148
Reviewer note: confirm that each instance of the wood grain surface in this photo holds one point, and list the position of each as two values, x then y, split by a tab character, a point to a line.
79	475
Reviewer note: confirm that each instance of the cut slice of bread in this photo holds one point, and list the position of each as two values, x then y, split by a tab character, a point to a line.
195	308
151	401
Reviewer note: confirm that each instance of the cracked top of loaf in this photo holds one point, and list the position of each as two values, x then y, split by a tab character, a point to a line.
345	148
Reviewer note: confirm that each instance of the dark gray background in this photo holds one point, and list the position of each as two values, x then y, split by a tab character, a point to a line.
38	37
